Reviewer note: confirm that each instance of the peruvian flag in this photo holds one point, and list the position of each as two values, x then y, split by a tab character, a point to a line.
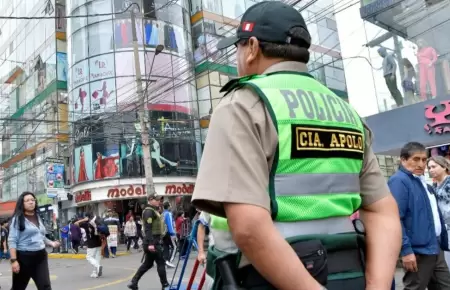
248	26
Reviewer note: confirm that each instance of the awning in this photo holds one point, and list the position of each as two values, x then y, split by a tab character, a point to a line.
7	209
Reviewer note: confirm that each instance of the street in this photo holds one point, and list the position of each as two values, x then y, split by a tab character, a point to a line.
74	274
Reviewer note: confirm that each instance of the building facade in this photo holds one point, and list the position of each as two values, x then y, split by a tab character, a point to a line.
33	89
107	170
214	19
414	35
71	131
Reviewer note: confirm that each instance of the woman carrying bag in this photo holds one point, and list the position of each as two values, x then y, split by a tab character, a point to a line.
439	168
27	243
130	232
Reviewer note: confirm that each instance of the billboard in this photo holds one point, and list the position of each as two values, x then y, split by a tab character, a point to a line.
83	164
54	175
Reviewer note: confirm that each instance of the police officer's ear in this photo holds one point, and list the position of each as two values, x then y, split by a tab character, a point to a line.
253	49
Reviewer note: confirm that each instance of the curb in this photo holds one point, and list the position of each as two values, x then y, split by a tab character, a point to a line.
78	256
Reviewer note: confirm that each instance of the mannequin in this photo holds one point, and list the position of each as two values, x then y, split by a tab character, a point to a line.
389	71
426	57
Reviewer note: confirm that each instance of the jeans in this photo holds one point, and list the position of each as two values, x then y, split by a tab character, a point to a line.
64	245
130	240
94	256
75	245
170	247
33	265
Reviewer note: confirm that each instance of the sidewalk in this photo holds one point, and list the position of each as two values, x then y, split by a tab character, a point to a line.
121	251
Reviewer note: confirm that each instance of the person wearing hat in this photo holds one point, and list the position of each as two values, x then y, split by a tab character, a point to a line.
287	162
153	230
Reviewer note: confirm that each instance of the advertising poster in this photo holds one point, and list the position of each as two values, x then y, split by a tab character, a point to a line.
123	37
61	66
101	67
113	234
80	102
54	173
83	164
172	146
103	96
106	161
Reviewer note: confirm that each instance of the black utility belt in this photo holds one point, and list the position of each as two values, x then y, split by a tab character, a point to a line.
323	262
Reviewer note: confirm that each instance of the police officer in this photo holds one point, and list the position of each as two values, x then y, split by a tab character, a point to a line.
287	162
154	231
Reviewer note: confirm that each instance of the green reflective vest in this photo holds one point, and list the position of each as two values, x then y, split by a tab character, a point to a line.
219	223
314	180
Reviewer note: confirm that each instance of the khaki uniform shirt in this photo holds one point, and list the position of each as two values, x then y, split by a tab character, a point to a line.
239	152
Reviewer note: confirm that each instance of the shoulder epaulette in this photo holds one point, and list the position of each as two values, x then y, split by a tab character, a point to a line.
236	83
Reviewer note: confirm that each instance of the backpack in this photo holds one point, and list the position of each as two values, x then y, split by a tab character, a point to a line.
103	229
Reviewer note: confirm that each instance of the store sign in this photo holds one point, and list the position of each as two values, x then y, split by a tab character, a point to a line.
183	189
130	191
80	73
83	196
437	117
101	67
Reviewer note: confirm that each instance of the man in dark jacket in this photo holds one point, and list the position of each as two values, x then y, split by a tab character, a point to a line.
424	232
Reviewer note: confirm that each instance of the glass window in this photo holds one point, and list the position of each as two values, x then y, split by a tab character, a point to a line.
75	3
214	6
125	63
233	8
78	22
196	6
172	14
100	38
162	65
99	7
79	45
123	37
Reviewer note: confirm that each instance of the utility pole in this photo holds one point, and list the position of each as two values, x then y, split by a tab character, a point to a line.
149	185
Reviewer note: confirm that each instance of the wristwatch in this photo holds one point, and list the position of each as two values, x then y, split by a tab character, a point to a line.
13	260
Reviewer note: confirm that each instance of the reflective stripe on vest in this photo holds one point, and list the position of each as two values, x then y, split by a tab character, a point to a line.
314	182
219	223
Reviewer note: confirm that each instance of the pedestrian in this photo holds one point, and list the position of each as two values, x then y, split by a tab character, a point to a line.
153	227
27	241
75	236
170	239
65	238
287	162
4	240
182	234
439	168
217	229
130	232
93	242
113	223
424	234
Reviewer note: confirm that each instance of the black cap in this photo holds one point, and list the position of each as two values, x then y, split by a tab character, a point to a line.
155	196
270	21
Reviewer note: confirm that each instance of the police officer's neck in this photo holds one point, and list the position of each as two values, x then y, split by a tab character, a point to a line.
276	64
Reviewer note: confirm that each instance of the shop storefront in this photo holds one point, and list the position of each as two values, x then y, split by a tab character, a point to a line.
122	195
427	123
